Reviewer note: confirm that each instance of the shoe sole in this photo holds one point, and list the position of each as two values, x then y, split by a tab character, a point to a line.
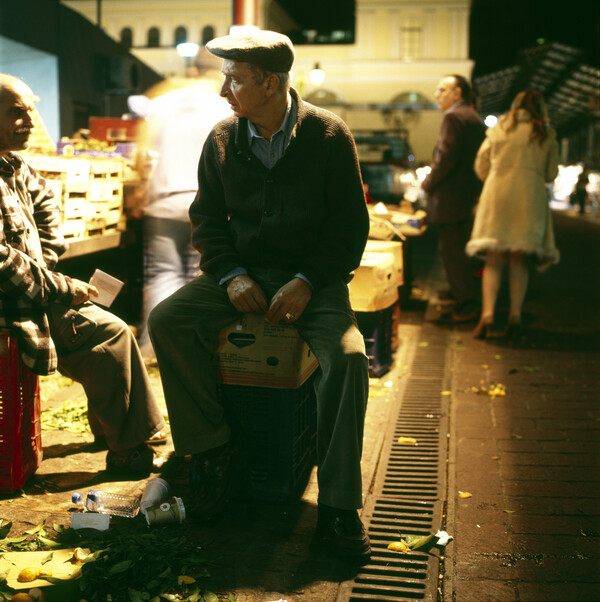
461	319
326	544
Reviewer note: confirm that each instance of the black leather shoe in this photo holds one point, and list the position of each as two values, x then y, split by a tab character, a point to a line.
466	313
211	478
344	531
138	460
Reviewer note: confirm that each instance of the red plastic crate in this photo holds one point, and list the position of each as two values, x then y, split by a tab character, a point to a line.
20	427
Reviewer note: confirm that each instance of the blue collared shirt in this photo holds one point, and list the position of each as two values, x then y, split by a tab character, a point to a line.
269	152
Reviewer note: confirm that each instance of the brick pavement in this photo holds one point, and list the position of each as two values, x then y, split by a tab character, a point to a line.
530	459
531	529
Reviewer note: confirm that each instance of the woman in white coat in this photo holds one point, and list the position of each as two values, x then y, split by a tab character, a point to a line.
513	222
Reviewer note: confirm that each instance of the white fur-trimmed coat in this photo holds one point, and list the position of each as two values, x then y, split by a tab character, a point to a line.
513	212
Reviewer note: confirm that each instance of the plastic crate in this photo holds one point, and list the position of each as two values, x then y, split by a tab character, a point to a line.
277	433
20	428
377	329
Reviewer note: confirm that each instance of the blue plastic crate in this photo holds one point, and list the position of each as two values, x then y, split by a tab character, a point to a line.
277	433
377	330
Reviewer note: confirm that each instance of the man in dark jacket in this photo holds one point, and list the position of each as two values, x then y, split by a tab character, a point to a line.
453	189
280	221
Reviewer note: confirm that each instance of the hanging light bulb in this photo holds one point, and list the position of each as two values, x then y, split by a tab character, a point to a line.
316	75
187	50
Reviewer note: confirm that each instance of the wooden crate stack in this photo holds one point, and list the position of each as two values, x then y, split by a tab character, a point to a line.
105	206
90	190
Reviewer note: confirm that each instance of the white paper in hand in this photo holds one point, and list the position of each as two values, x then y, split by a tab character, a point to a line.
108	288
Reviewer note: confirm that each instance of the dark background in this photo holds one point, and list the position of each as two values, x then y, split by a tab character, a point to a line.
500	28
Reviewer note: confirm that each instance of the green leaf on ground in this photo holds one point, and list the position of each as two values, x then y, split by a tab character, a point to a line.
35	529
47	558
4	528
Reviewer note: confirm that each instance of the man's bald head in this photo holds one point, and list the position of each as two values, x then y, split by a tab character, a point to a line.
17	105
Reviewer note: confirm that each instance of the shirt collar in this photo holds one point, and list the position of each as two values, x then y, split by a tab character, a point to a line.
286	127
9	163
456	104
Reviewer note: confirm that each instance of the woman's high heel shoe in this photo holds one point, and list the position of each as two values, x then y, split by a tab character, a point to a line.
483	330
513	329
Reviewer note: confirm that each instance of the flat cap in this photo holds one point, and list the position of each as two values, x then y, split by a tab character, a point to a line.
268	49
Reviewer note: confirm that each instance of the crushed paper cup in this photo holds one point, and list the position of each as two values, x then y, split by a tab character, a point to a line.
443	539
108	288
157	490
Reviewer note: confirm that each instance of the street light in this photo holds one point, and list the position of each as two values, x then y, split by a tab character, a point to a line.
188	50
316	75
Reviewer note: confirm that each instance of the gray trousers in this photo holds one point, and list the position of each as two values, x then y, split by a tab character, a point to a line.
184	331
98	350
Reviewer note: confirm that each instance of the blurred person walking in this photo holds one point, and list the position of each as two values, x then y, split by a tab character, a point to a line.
580	194
177	126
453	188
513	222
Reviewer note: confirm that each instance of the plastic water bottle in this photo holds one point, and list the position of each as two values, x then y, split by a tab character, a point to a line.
114	504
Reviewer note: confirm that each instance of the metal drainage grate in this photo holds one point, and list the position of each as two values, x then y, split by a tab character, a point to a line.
391	576
409	486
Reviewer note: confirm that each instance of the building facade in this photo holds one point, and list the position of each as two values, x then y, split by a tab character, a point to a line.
385	80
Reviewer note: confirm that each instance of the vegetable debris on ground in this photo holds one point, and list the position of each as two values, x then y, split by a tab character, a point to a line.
129	562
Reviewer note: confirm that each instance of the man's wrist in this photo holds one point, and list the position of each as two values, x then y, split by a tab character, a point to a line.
231	275
303	277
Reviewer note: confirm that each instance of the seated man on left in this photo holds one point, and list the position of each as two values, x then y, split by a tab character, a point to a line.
51	314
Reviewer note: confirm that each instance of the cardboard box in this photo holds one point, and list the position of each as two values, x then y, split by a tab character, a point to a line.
385	246
256	353
121	150
406	221
380	227
373	287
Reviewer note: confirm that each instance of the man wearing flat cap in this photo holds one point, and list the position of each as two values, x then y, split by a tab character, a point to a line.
280	221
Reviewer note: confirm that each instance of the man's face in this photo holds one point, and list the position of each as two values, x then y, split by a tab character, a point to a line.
16	117
245	97
447	93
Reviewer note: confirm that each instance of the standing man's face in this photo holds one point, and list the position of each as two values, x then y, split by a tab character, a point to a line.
16	116
245	97
447	93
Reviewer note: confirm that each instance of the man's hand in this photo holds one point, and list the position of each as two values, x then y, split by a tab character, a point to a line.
289	301
83	291
245	295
